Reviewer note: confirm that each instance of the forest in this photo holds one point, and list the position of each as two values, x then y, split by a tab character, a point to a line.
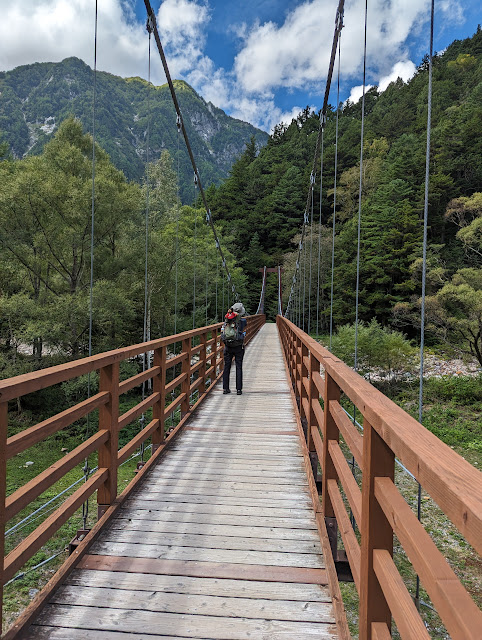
264	198
45	218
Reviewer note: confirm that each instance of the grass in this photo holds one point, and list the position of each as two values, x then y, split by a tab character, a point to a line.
453	412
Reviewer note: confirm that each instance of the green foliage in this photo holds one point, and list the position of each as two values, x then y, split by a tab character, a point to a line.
35	99
45	242
378	348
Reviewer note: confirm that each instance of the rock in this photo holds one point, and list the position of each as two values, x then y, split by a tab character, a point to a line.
28	464
32	593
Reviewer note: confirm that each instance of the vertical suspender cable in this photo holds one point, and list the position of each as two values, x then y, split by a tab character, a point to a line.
360	191
424	261
304	282
216	298
338	28
319	234
85	506
194	258
145	331
357	288
207	267
334	192
176	251
311	255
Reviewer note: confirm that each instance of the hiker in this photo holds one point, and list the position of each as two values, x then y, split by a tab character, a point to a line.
233	334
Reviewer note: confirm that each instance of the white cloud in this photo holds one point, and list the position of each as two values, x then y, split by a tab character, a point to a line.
403	70
51	30
357	92
292	55
297	52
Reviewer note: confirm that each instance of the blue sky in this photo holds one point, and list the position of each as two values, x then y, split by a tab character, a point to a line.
259	60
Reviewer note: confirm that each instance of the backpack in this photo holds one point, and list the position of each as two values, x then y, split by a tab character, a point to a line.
232	334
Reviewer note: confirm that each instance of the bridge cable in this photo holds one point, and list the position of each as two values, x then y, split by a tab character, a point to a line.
146	331
209	217
424	263
336	35
85	505
178	208
304	281
319	236
334	193
194	259
207	275
216	297
311	257
357	288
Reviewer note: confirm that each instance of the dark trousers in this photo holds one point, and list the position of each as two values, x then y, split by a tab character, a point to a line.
238	354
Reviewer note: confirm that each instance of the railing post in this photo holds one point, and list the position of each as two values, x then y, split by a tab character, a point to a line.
203	355
330	432
305	415
376	532
3	491
298	372
109	419
159	386
186	368
313	396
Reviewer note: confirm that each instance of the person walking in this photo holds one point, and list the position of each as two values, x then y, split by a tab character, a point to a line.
233	334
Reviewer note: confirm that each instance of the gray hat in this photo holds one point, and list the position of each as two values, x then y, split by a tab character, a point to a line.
239	309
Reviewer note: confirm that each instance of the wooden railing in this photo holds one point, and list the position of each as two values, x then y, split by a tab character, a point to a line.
379	509
201	363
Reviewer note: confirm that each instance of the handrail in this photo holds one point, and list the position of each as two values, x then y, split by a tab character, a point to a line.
202	366
379	508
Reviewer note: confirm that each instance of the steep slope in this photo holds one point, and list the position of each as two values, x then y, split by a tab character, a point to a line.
35	98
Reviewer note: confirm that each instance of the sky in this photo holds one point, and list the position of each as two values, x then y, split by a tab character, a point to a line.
261	61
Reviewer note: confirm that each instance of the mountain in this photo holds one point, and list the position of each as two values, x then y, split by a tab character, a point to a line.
35	98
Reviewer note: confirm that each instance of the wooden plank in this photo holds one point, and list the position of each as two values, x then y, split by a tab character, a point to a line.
174	405
206	605
246	430
32	610
109	420
223	505
256	514
346	478
169	526
352	437
202	554
208	540
175	383
193	626
32	543
171	362
409	623
380	631
204	458
135	412
350	542
61	633
204	569
27	438
215	490
458	611
296	487
201	586
291	479
199	434
137	440
376	532
318	444
138	379
452	482
32	489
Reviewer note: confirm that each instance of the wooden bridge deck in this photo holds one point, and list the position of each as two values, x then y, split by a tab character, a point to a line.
220	541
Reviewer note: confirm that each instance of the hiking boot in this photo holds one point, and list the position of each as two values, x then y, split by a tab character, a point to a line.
226	391
239	392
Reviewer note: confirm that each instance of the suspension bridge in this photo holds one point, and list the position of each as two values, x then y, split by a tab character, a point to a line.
246	514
